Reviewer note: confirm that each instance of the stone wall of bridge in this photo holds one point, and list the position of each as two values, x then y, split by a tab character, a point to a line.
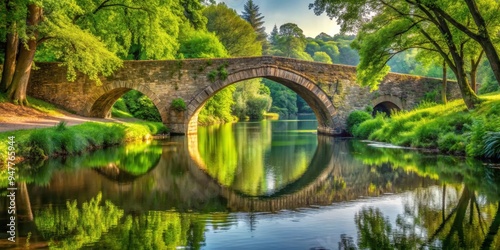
331	90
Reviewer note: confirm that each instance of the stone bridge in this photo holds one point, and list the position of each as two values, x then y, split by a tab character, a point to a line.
330	90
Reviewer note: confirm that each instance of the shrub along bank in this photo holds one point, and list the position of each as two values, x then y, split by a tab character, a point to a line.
65	140
448	128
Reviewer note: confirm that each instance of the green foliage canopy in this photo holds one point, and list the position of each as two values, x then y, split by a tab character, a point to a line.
237	35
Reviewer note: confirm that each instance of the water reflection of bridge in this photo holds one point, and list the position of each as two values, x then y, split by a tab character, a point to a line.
302	192
333	175
180	181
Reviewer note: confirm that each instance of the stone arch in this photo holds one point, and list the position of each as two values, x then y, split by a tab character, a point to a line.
315	97
386	104
101	102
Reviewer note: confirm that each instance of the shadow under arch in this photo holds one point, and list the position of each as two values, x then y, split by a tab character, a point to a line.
386	104
113	173
315	97
100	104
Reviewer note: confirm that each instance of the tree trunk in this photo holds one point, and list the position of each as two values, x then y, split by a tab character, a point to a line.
11	48
473	73
484	39
16	92
443	202
492	231
445	84
457	225
9	64
470	98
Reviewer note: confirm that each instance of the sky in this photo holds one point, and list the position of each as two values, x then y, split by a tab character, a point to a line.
280	12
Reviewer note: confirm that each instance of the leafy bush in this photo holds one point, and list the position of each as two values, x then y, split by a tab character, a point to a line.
120	105
212	75
178	104
367	127
451	142
223	73
257	106
475	137
41	140
355	118
369	109
426	135
426	104
141	107
492	145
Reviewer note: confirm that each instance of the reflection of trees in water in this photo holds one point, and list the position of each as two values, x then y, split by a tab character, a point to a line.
354	176
463	213
251	159
166	185
123	163
102	225
451	218
449	214
376	232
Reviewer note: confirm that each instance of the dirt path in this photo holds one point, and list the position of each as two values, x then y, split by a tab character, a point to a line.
13	117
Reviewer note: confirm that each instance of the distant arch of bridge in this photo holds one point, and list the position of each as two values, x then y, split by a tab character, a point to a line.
331	90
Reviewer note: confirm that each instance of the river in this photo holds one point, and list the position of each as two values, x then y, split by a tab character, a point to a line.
256	185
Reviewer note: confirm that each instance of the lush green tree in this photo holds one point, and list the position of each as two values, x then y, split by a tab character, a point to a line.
387	28
284	99
324	37
88	36
237	35
487	79
291	42
218	108
33	24
312	47
252	99
302	106
347	55
204	44
331	49
252	15
321	56
140	106
273	36
484	13
201	44
240	39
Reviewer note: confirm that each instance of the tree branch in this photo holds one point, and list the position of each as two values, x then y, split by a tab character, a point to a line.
100	6
119	5
401	13
414	24
454	22
43	39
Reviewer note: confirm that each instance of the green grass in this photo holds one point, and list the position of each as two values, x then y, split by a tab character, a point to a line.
450	128
120	113
63	140
37	104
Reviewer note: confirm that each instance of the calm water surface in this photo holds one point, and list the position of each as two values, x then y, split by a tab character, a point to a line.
257	185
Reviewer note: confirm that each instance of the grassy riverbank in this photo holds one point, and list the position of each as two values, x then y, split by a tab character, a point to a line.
66	140
62	139
449	128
